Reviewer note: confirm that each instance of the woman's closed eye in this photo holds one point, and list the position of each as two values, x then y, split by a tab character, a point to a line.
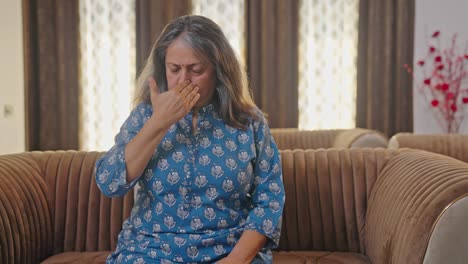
174	69
197	70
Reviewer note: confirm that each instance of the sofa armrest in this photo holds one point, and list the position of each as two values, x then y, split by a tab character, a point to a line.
407	200
360	138
25	224
452	145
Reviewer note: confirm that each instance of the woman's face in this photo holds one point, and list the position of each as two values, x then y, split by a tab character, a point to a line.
182	64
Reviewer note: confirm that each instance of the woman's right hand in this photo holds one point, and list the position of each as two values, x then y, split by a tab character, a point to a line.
169	107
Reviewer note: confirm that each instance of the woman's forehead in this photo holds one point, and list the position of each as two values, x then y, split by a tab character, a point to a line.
181	53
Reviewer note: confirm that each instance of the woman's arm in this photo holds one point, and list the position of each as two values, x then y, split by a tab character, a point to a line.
168	108
119	168
139	150
263	226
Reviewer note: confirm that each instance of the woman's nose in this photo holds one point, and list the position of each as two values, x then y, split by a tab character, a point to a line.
184	75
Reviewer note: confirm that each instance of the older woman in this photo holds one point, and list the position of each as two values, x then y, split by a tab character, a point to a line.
208	170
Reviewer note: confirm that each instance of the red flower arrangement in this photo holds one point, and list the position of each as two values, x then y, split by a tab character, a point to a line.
445	81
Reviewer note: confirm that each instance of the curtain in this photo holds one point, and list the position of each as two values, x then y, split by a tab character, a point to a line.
51	74
107	66
230	16
384	88
151	17
272	56
328	34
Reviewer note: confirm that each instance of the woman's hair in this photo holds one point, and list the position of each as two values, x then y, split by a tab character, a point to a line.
205	37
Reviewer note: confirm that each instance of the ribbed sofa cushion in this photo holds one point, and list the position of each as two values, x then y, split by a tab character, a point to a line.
293	138
61	209
452	145
83	219
326	197
413	191
25	222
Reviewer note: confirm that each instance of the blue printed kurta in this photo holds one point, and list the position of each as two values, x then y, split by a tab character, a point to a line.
199	191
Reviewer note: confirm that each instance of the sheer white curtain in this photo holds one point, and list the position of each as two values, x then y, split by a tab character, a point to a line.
328	33
107	32
230	16
327	61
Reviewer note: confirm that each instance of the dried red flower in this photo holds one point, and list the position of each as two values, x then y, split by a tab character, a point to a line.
445	86
453	107
445	73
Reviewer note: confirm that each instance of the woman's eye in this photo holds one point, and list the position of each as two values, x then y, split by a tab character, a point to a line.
197	71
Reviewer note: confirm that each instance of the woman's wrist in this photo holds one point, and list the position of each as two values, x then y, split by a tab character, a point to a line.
158	124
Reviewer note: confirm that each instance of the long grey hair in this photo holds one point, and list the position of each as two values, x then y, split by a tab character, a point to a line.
232	97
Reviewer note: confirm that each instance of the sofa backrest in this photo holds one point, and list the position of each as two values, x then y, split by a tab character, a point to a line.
326	197
82	218
452	145
326	200
293	138
24	211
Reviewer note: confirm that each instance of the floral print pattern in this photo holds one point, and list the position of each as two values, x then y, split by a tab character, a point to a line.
199	191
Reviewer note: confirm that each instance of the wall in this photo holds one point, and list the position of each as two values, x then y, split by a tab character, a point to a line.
12	124
449	17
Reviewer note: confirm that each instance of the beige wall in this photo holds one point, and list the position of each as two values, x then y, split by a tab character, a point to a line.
12	130
449	17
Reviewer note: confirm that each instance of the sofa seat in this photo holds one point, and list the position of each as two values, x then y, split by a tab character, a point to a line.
78	258
316	257
282	257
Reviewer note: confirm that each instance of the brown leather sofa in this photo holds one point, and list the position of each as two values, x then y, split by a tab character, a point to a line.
293	138
452	145
342	206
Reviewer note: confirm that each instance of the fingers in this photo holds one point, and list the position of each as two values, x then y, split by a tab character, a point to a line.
181	86
185	93
193	100
188	93
187	90
153	86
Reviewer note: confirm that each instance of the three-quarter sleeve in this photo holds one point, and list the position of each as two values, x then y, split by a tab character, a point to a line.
268	195
111	168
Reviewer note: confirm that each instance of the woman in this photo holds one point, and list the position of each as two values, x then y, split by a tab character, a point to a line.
209	172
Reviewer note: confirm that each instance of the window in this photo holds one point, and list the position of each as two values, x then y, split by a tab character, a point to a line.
327	62
229	15
328	33
107	32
